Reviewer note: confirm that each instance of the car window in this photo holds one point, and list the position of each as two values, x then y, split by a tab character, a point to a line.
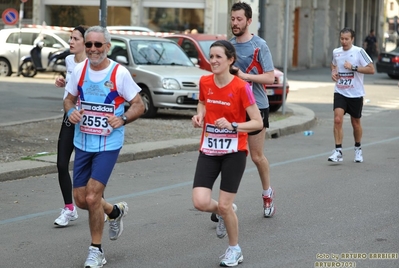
49	41
64	36
205	46
176	39
26	38
153	52
118	48
189	47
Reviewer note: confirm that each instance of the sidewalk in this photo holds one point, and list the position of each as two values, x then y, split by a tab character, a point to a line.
302	119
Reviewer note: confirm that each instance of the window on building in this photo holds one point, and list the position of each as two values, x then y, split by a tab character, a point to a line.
174	19
71	16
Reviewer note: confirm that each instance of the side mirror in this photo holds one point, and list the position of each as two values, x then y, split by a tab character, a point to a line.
122	60
57	46
194	60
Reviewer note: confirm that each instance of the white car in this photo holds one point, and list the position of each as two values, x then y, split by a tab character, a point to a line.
10	48
165	74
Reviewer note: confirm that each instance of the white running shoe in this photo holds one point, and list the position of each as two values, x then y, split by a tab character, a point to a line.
268	205
221	228
358	155
95	259
231	258
336	156
116	225
66	216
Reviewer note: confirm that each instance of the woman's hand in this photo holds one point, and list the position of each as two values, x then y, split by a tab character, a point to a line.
197	121
60	82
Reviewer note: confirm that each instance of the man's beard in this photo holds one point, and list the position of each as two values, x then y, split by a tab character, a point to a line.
240	33
100	59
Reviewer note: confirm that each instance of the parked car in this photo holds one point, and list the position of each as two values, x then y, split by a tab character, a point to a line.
197	47
166	76
388	62
53	40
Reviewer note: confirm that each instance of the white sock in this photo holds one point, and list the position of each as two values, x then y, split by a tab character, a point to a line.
267	192
236	247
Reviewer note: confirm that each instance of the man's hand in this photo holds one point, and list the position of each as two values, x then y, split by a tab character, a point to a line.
115	121
75	116
348	65
334	75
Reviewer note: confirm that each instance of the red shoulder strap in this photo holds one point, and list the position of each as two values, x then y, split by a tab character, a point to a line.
82	76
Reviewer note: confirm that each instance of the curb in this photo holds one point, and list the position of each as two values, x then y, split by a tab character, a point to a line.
302	119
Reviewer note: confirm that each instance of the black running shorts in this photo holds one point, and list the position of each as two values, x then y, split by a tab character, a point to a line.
352	106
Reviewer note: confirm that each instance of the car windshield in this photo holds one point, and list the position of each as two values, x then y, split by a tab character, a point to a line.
153	52
396	50
205	46
64	36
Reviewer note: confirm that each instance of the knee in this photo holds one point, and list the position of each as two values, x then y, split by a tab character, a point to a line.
337	120
91	200
224	208
257	158
200	204
356	124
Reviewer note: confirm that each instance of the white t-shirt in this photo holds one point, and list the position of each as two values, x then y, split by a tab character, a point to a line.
126	87
350	83
70	65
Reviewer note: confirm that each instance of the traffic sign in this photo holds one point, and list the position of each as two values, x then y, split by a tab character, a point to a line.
10	16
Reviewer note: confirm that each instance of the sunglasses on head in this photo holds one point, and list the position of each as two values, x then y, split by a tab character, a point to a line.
96	44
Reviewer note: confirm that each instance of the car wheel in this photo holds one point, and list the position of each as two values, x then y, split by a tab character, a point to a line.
27	69
149	111
393	76
5	67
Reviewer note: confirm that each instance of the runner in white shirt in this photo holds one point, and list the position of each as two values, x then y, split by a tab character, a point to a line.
101	86
349	64
65	139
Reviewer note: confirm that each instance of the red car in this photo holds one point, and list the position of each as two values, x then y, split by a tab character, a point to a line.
197	47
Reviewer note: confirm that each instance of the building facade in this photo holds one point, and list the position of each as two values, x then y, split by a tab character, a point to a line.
392	19
313	25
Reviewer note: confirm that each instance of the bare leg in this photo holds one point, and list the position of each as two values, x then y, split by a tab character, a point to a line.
357	129
338	122
225	206
90	198
256	144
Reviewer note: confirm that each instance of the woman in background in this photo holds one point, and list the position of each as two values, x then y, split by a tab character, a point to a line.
65	139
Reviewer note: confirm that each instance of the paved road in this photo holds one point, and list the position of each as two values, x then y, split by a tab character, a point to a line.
28	99
322	208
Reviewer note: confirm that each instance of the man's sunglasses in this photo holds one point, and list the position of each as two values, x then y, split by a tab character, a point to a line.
96	44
